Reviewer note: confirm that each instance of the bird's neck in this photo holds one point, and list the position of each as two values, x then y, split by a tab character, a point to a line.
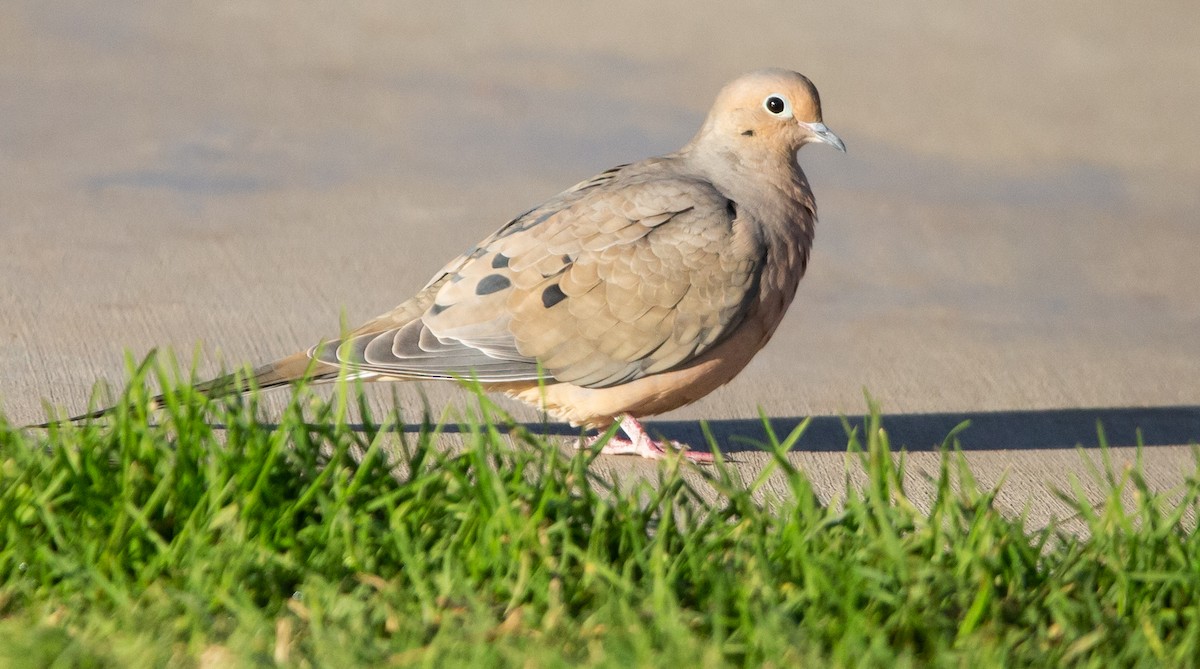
770	183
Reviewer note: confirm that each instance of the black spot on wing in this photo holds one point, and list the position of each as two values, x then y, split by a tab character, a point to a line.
438	308
492	283
500	261
556	272
552	295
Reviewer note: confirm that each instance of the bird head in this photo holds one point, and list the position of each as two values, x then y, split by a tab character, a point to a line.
767	110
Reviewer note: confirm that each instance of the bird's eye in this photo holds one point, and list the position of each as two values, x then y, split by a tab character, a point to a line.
778	105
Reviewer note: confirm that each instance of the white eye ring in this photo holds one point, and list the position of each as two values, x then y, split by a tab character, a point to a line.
777	105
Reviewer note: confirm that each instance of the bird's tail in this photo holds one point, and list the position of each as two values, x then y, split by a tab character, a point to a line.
271	375
281	372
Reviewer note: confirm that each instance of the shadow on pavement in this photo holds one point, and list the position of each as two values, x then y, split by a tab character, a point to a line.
992	430
998	430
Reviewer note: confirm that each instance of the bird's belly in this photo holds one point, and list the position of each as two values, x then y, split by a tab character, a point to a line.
598	407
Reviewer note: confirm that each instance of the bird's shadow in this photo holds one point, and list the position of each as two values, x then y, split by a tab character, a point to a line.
988	430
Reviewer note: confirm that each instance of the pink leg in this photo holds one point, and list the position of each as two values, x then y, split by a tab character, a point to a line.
640	443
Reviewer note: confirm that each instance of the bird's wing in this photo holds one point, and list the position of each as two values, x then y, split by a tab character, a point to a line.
613	280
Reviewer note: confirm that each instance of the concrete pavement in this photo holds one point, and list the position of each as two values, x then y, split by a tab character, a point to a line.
1014	235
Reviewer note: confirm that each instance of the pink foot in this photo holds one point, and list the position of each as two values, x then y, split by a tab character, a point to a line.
640	443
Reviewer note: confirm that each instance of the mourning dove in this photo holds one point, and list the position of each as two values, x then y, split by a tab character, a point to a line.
635	292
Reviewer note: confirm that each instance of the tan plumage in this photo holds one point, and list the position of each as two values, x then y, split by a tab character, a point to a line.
633	293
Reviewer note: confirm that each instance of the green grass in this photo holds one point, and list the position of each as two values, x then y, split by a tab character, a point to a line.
126	543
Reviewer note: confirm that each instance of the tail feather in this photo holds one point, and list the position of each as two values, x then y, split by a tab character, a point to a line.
271	375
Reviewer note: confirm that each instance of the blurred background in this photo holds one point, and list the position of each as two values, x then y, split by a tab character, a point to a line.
1016	224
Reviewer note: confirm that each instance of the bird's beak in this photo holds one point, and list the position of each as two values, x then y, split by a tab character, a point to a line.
822	134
